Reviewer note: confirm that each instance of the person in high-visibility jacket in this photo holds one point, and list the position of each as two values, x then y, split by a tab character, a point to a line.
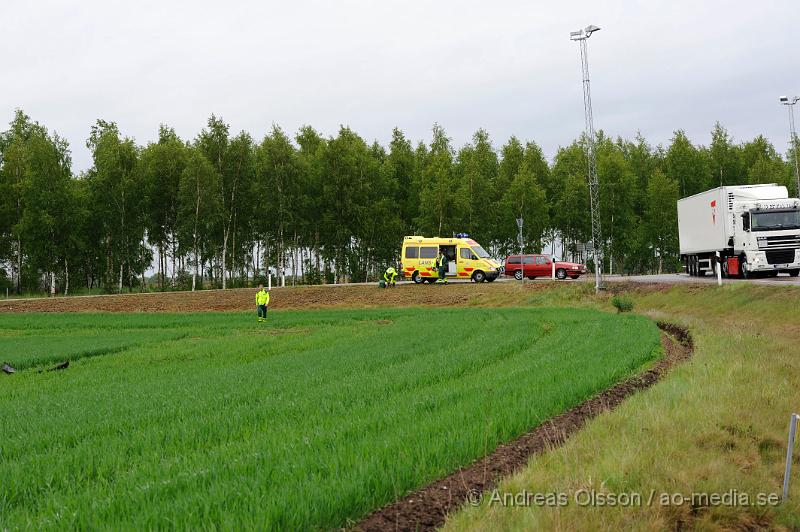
262	302
390	276
441	264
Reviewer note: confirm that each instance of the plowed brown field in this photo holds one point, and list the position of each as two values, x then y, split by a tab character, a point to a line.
305	297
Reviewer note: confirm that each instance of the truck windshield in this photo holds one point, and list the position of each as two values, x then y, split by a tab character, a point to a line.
479	251
775	220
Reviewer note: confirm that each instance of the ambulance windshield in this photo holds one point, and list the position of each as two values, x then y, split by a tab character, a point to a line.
479	251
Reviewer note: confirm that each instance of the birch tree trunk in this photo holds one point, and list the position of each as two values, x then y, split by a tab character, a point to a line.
66	276
194	233
224	258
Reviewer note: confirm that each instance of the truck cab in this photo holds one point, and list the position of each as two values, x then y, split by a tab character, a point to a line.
769	240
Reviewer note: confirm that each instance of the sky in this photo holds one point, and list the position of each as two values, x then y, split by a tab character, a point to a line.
508	67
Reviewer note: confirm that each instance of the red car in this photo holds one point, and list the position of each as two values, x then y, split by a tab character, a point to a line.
533	266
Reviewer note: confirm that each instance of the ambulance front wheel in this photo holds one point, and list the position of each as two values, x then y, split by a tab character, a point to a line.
417	278
479	276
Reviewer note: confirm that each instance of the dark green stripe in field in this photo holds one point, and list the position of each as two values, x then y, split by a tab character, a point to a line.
314	419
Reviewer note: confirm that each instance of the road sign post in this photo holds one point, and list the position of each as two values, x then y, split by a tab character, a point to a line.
787	473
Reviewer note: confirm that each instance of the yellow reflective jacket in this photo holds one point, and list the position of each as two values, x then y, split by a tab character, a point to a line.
262	297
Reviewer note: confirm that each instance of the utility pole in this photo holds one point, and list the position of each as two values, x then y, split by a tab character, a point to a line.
594	190
790	102
521	243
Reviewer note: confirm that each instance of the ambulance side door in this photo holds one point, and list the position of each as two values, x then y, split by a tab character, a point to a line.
466	261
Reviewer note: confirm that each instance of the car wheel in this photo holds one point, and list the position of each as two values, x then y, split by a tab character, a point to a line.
479	276
573	276
417	278
518	275
531	277
561	273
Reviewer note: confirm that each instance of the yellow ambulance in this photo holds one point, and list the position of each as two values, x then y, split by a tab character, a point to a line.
466	259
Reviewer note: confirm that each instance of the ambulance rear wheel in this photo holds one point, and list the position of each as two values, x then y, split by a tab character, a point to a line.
417	278
479	276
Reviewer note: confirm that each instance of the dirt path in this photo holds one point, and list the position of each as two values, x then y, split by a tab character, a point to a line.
305	297
427	508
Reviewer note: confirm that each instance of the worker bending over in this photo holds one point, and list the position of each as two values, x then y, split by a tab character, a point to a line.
390	276
262	302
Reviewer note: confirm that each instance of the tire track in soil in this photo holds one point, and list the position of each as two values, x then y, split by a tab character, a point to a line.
427	508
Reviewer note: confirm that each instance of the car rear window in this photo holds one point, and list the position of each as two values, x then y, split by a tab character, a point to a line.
426	252
512	260
412	252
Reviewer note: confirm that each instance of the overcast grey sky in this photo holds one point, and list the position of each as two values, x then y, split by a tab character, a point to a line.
508	67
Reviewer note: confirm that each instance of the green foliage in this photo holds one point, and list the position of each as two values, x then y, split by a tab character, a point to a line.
622	303
660	218
227	209
309	421
688	166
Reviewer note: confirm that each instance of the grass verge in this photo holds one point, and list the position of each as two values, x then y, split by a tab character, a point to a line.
716	425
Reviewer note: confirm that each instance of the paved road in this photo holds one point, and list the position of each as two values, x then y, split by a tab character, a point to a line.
667	278
682	278
674	278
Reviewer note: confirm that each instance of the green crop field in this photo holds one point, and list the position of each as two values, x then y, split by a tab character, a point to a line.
210	420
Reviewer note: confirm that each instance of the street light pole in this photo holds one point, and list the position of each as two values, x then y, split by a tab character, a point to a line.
790	102
594	189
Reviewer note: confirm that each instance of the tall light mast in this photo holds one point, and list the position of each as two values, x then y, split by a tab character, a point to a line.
594	190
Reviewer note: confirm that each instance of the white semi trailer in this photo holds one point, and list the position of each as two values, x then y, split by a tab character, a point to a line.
754	228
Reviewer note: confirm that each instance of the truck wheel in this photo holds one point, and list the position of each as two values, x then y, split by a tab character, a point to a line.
518	275
561	273
417	278
794	273
479	276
